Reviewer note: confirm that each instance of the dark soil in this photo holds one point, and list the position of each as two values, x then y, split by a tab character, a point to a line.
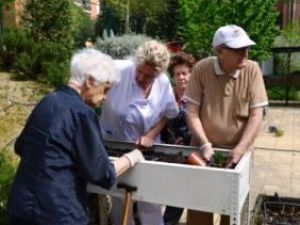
151	155
160	157
287	216
279	211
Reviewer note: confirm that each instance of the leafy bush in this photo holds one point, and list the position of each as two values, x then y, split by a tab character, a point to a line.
122	46
12	42
56	72
111	21
42	61
278	93
82	25
199	19
290	36
49	20
7	172
27	64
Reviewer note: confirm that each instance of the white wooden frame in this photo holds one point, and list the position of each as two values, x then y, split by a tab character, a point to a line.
207	189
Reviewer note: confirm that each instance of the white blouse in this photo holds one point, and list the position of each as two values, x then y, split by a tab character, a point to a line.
127	115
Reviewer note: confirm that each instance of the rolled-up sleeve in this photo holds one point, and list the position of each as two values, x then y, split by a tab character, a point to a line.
258	93
91	156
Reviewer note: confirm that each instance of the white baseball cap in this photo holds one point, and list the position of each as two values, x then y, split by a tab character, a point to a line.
232	36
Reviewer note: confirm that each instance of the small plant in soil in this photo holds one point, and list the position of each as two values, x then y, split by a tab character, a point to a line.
219	159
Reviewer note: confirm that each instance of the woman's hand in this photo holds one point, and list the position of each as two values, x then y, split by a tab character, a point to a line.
145	141
134	157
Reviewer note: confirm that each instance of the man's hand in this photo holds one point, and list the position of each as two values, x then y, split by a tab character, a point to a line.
234	157
145	141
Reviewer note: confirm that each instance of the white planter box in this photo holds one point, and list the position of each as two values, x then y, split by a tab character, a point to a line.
201	188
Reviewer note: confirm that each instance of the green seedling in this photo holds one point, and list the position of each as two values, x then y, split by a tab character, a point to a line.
219	159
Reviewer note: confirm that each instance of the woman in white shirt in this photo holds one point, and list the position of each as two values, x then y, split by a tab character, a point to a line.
136	109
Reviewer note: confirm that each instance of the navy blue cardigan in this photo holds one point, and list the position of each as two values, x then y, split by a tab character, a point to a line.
61	150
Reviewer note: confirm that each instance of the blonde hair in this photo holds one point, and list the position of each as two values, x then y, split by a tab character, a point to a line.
91	62
153	53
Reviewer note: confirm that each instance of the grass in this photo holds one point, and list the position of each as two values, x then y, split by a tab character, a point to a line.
17	99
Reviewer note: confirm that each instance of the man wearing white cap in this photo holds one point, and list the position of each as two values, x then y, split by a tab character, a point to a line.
226	96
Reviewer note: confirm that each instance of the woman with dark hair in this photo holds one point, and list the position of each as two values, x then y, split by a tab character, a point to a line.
176	131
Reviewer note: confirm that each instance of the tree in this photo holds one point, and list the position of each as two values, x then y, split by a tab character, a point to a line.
133	11
2	3
51	25
49	20
199	19
167	29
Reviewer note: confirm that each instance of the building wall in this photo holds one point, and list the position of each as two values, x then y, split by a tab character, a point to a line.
90	6
94	9
289	12
12	13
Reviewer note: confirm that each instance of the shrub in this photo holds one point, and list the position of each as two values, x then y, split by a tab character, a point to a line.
49	20
290	36
278	93
7	172
122	46
43	60
82	25
12	42
56	72
27	64
199	19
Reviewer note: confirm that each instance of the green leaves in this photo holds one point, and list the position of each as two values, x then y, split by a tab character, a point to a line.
199	19
7	172
49	20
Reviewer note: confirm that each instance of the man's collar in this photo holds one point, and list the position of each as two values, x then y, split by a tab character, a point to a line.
220	72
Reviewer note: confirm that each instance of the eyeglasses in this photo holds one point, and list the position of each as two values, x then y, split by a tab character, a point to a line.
235	49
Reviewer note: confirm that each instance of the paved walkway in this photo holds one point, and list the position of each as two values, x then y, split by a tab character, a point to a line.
276	164
277	159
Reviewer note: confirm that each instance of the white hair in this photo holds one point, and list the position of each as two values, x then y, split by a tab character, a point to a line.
154	54
91	62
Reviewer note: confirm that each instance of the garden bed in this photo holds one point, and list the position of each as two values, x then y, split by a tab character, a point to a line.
275	210
219	159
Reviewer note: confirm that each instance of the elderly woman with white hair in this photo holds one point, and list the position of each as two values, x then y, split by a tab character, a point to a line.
136	109
61	148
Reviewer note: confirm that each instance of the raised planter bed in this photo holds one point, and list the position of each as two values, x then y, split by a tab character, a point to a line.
219	160
209	189
275	210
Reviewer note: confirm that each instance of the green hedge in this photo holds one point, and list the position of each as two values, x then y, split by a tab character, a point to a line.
7	173
46	61
278	93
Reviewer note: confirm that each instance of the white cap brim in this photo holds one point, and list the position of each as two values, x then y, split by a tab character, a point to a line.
240	43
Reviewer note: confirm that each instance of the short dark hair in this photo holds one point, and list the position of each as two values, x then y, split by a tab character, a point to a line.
181	58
